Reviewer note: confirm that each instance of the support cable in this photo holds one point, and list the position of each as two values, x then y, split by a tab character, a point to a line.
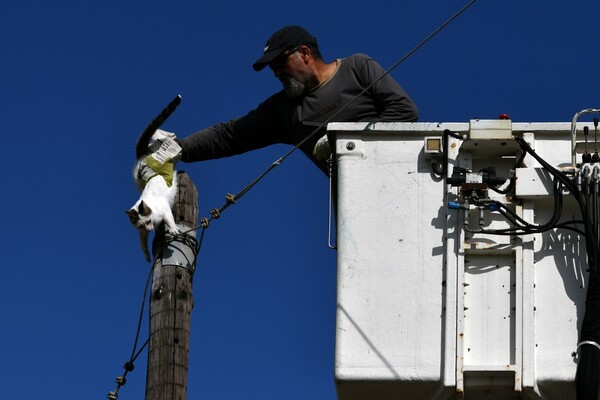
231	199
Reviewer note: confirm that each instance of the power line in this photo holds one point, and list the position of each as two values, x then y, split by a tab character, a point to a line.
231	199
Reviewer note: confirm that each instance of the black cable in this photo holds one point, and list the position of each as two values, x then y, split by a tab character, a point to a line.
523	227
129	365
441	171
588	369
280	160
565	225
141	316
511	184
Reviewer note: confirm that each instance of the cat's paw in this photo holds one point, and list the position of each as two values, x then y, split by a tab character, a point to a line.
173	230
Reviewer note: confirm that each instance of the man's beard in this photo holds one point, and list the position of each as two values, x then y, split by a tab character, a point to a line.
293	88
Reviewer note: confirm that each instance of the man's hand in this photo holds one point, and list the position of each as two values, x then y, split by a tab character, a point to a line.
165	147
322	150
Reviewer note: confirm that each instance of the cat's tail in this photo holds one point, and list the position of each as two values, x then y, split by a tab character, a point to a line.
141	148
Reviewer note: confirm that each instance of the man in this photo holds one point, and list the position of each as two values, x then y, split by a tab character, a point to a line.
313	91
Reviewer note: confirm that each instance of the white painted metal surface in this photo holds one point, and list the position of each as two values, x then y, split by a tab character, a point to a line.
429	311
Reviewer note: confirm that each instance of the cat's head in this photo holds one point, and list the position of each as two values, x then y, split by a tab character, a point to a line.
141	216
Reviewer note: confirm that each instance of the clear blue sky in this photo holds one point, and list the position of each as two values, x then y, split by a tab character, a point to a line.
79	80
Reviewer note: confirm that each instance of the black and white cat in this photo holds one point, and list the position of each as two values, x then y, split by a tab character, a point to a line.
158	189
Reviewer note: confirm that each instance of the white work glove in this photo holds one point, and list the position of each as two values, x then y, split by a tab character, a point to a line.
322	150
164	146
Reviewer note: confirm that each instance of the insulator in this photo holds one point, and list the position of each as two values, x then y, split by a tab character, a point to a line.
230	198
121	380
112	395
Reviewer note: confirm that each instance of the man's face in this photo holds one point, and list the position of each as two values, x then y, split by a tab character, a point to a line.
293	73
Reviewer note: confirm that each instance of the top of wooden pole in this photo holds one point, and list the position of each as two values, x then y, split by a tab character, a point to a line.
185	213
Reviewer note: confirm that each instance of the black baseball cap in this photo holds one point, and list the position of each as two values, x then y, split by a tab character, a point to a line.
284	39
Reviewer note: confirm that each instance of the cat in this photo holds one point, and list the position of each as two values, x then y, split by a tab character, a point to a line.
153	208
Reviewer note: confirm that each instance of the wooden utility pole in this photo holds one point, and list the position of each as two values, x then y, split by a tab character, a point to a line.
171	301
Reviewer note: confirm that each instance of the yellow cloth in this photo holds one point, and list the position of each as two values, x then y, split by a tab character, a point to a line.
166	170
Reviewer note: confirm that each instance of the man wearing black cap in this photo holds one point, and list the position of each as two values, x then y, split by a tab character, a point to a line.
313	91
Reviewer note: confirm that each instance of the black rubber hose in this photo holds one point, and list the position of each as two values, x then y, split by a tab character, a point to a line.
588	371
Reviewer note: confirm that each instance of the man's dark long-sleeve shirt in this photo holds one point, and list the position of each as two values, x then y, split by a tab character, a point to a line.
281	119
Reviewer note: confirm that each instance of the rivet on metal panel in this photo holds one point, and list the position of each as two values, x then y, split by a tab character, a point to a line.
350	146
